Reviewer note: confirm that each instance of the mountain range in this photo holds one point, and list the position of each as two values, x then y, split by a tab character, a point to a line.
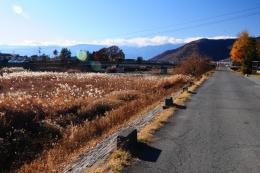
214	49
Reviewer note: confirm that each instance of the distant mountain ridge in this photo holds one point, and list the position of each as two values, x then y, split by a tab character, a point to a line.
215	49
146	52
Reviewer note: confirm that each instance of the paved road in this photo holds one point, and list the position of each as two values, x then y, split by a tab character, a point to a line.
254	79
219	132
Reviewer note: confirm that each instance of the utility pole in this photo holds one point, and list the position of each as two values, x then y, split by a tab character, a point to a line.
39	51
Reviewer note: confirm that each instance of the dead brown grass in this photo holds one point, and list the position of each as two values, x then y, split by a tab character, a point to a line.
80	136
115	164
56	116
194	65
79	118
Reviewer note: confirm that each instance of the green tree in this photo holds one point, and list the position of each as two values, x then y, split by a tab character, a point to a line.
55	53
258	48
65	55
139	59
251	55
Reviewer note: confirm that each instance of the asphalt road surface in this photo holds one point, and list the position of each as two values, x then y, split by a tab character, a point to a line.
219	131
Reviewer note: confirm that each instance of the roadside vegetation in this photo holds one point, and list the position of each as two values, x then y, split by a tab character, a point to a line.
244	51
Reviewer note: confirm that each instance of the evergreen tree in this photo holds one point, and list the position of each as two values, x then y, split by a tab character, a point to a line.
65	55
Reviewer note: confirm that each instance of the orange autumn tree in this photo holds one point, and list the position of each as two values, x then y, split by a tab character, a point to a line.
244	51
238	51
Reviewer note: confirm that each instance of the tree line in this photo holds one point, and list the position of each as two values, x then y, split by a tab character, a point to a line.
111	54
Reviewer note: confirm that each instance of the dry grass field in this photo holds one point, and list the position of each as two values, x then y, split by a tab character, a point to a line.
49	118
45	114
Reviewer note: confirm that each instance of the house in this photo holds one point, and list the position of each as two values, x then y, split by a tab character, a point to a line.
256	67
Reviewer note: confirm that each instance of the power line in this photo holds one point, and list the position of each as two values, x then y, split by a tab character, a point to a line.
127	35
203	24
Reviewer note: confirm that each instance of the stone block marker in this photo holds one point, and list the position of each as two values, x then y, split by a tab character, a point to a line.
168	102
127	139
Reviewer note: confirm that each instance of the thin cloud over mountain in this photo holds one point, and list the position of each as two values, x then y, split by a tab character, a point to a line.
134	42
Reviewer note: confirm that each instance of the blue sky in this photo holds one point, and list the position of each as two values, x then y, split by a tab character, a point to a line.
124	22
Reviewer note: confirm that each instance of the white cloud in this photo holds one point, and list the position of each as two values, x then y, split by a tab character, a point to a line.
152	41
19	10
137	42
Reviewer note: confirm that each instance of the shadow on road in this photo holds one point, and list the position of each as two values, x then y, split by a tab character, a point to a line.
180	106
192	92
146	153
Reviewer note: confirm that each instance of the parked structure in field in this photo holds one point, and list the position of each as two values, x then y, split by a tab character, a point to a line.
256	67
163	70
